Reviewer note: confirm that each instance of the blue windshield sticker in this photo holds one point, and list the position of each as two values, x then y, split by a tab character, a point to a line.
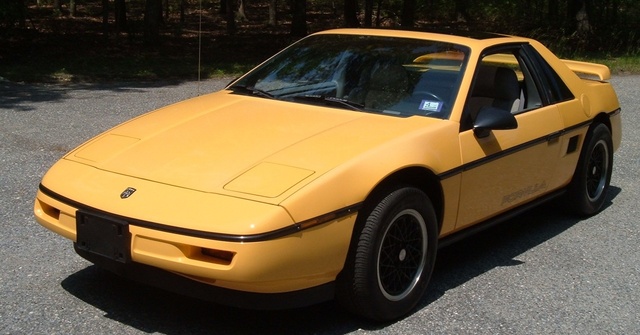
430	106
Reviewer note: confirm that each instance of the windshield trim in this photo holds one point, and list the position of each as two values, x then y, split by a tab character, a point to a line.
319	70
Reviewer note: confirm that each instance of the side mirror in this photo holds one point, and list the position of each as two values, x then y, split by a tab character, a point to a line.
491	118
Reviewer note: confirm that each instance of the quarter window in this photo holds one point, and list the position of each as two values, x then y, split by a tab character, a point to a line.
555	89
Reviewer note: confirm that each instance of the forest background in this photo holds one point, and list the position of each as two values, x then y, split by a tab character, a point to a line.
106	40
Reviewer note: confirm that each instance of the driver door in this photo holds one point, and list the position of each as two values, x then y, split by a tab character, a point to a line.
505	168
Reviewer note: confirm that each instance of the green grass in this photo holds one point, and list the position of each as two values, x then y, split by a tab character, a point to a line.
140	65
77	69
618	64
83	59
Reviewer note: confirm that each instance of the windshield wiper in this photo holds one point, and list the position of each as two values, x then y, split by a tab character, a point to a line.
331	101
251	90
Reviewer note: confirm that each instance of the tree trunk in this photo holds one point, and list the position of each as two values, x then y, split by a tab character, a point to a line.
72	8
273	10
15	10
120	16
152	21
573	6
57	7
242	17
351	13
105	17
223	7
578	18
368	13
408	15
461	11
615	8
12	12
183	6
230	16
299	18
553	14
582	20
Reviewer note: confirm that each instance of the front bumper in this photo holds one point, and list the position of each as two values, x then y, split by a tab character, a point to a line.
310	258
184	286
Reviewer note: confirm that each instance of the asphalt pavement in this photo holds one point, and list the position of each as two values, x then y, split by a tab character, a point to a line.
543	272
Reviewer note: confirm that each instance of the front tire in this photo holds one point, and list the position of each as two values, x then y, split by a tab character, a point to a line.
391	258
588	189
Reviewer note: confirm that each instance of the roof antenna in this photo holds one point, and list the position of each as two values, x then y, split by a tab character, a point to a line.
199	43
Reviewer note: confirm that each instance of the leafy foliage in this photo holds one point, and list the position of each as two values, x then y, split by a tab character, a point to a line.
40	40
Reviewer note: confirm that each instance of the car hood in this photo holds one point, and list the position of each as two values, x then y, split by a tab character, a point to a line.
239	145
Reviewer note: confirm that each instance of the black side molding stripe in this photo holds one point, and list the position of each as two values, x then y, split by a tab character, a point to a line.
289	230
615	112
466	232
517	148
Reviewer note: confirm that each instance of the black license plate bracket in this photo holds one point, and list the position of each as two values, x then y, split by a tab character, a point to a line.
104	236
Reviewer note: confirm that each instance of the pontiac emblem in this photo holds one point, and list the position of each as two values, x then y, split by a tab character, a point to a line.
127	193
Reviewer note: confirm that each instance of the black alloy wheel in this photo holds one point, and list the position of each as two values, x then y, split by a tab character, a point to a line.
392	256
588	189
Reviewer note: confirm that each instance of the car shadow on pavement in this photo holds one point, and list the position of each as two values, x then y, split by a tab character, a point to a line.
153	310
499	246
24	96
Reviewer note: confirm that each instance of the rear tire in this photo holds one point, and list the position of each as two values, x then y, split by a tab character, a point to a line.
391	258
588	189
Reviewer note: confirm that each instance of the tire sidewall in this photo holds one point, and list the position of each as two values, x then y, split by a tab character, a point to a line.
582	203
367	297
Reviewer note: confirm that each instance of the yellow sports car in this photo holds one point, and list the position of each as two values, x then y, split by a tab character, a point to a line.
337	168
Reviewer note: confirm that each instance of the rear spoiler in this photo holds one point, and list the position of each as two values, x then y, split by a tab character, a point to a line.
584	70
588	70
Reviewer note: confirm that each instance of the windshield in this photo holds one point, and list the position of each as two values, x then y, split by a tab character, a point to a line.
397	76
